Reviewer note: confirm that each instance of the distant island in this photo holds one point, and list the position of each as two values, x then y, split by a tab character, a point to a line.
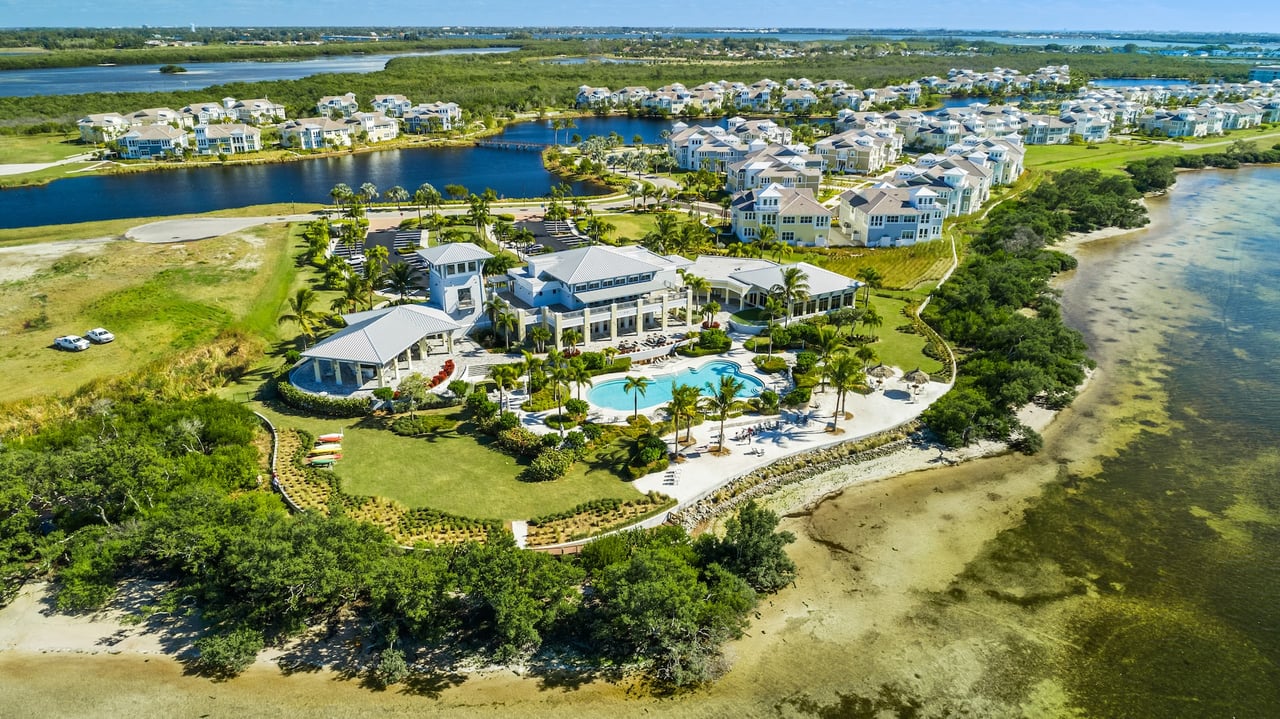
172	69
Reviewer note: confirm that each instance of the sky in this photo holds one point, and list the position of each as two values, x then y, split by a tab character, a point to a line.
1170	15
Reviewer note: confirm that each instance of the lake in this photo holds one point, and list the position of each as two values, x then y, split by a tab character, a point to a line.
204	189
148	78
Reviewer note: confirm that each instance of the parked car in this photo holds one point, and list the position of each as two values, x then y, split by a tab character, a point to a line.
99	336
72	343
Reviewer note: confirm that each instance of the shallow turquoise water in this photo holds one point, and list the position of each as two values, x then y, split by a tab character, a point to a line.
610	394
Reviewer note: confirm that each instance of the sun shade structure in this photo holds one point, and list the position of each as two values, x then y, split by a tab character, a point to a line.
916	376
880	371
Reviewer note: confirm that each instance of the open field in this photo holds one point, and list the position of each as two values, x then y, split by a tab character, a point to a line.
1113	156
49	147
630	226
157	299
899	349
902	267
117	228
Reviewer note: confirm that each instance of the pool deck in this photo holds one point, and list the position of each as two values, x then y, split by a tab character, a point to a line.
888	406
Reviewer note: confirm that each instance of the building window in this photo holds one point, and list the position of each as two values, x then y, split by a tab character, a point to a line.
806	220
788	237
877	221
788	220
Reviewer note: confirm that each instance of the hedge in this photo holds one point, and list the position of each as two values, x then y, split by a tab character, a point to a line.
549	466
417	425
315	404
769	364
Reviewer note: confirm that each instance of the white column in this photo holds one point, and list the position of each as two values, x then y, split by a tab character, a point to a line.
665	309
586	324
688	308
448	342
315	367
613	321
337	371
555	340
395	364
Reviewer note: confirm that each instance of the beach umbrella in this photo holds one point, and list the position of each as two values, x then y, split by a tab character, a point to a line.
880	371
917	377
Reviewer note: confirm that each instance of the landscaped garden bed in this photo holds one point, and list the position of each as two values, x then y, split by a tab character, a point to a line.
594	518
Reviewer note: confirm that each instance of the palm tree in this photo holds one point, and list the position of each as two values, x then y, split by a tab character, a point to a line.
506	321
559	375
505	377
570	338
794	286
397	194
479	216
866	355
368	192
532	367
374	259
640	385
684	401
540	335
719	400
663	235
698	284
710	310
872	321
400	280
772	308
493	306
871	279
341	193
426	196
765	237
844	371
829	343
579	375
301	312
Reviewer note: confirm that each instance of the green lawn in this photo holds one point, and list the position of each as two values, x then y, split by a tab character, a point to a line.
901	267
40	148
905	351
630	226
453	472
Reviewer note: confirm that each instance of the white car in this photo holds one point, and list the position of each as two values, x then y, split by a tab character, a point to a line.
99	336
72	343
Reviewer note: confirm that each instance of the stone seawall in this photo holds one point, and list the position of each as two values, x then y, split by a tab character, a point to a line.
789	470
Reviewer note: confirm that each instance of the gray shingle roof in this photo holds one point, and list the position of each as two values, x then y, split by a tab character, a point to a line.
377	336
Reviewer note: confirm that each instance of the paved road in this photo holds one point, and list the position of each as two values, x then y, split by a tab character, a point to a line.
202	228
23	168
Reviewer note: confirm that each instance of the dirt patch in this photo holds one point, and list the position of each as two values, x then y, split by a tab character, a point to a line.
20	262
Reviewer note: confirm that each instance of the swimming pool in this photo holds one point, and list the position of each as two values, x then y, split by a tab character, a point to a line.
610	395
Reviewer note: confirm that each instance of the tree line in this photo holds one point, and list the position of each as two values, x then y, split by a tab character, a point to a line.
176	491
1000	312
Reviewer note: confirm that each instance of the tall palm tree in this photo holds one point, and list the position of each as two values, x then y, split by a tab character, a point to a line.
772	308
699	285
829	343
872	320
871	279
493	306
765	237
341	193
721	399
368	192
506	321
426	196
570	338
540	334
579	375
710	310
866	355
301	311
559	374
794	287
639	385
400	280
479	216
844	371
687	396
684	399
397	194
374	259
532	367
505	377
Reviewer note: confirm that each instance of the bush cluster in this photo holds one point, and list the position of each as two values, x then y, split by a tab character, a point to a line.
315	404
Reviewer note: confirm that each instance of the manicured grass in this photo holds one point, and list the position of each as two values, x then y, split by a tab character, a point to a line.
905	351
454	471
40	148
157	299
630	226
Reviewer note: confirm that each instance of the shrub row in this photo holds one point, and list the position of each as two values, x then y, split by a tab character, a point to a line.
770	364
415	425
315	404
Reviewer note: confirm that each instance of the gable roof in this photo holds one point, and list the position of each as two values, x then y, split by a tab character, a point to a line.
820	281
587	264
454	252
378	336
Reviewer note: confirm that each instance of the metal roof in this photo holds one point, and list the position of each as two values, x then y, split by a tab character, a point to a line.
820	281
378	336
454	252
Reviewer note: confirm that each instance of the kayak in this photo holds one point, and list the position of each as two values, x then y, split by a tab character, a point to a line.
328	447
329	438
322	461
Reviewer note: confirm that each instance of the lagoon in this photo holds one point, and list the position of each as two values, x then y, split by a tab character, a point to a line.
199	75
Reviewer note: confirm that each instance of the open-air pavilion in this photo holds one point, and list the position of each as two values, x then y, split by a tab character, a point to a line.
376	349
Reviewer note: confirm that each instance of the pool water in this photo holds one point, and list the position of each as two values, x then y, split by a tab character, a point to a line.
610	394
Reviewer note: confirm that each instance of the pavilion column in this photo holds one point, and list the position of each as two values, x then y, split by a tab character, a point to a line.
395	364
337	371
520	325
448	342
315	367
382	376
423	349
613	321
586	324
665	309
555	319
688	308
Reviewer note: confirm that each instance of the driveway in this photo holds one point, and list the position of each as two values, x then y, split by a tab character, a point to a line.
202	228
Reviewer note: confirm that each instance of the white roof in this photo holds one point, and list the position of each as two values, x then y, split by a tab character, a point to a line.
378	336
820	281
454	252
589	264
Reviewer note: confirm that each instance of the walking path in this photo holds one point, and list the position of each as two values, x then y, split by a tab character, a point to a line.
22	168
